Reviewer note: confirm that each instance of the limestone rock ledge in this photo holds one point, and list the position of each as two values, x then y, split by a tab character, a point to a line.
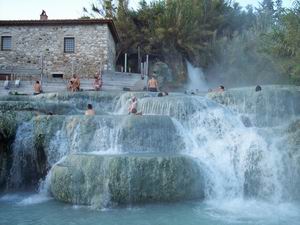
104	180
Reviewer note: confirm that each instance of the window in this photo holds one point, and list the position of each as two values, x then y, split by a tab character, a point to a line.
69	45
6	43
57	75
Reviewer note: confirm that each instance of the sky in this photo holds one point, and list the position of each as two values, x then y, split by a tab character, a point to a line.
64	9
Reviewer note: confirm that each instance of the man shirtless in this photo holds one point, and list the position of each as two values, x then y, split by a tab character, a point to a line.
37	87
90	111
74	83
152	84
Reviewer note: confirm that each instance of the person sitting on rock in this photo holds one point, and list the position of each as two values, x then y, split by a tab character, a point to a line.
221	88
90	111
37	87
133	107
74	84
71	83
152	85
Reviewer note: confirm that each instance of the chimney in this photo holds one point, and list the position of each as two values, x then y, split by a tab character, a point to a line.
43	16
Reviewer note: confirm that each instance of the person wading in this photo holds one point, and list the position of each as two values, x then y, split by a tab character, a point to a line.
37	87
90	111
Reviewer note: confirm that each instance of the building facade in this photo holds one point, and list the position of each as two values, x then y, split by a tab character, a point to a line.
59	48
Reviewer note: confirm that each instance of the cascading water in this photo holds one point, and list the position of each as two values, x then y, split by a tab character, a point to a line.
196	78
243	165
23	155
228	151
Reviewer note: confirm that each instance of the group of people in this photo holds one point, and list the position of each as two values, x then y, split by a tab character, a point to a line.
152	87
132	109
221	88
74	83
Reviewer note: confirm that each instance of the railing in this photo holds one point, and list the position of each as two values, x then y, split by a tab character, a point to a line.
23	72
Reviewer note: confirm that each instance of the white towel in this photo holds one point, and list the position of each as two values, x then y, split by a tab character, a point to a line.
6	84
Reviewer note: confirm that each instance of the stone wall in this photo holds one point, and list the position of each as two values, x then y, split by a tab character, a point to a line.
94	48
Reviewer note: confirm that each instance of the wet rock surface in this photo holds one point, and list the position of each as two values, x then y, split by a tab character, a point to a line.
244	142
271	106
121	179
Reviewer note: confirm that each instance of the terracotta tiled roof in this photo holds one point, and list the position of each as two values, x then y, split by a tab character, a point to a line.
109	22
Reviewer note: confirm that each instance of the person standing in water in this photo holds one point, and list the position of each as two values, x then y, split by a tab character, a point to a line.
90	111
37	87
153	85
257	88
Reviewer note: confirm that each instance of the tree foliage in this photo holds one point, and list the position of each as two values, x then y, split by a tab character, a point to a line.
284	42
210	33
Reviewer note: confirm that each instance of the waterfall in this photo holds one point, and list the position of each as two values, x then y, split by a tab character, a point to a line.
23	156
232	154
237	161
196	78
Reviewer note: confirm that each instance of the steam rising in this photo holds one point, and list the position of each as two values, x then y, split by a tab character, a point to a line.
196	78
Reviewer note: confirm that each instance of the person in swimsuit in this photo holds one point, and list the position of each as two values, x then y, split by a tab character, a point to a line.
97	82
133	107
152	85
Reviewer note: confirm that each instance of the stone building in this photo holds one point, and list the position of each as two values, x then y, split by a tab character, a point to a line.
58	48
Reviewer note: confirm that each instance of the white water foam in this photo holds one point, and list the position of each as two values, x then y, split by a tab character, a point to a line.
229	152
226	150
239	210
24	199
196	78
34	199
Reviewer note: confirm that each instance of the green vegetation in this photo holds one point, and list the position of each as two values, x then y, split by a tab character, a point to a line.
284	42
8	125
234	45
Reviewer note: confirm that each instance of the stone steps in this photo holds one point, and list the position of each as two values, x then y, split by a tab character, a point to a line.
110	82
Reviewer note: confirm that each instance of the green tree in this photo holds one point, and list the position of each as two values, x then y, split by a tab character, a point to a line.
202	30
284	43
